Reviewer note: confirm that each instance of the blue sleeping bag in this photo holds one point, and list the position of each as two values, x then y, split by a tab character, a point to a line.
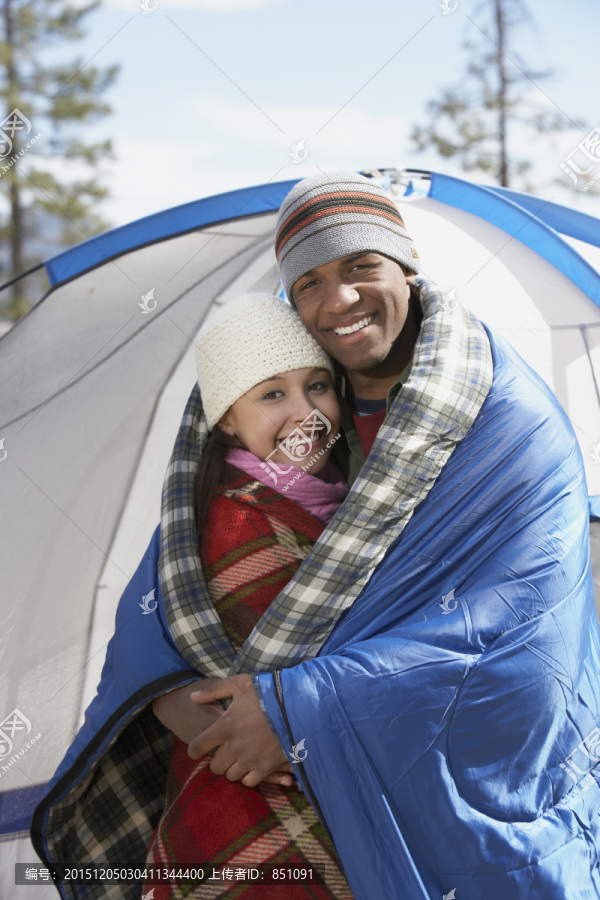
450	723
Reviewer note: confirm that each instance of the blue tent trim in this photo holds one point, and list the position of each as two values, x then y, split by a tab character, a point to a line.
520	223
262	198
567	221
534	221
16	808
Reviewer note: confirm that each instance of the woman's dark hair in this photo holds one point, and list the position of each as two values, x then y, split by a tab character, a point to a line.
212	469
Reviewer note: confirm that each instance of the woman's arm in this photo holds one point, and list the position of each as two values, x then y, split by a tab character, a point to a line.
183	717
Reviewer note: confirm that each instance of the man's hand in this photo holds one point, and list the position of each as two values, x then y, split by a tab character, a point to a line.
187	720
246	748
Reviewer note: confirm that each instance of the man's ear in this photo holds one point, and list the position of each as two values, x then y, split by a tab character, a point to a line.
408	274
226	424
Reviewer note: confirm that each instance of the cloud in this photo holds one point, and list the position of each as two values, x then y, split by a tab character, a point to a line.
201	5
345	137
239	146
149	176
233	145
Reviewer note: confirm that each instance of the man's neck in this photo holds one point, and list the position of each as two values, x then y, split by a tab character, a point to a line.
375	384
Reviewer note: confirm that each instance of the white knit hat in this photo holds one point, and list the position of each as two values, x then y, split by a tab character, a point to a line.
250	339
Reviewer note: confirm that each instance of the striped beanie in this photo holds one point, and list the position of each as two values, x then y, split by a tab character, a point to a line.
247	341
327	216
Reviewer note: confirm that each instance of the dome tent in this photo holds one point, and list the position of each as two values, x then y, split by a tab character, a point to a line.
95	378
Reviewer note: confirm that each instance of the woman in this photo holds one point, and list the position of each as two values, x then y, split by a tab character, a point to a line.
269	401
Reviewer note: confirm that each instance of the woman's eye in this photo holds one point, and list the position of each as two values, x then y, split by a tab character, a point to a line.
272	395
318	386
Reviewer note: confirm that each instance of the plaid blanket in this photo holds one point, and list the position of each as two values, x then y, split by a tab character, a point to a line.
257	540
107	815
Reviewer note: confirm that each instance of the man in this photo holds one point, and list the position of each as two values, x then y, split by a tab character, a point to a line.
470	788
432	669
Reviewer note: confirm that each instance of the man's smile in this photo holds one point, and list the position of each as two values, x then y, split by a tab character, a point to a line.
352	327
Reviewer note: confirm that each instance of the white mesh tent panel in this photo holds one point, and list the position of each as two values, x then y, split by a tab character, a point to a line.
589	252
70	463
142	510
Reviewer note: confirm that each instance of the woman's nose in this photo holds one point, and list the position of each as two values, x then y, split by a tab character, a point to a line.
302	408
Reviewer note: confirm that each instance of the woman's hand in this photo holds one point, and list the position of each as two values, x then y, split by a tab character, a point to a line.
184	718
245	748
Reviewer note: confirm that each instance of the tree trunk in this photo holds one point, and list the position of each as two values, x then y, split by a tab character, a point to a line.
502	96
18	303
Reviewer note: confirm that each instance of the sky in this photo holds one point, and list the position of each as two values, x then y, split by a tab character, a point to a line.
215	95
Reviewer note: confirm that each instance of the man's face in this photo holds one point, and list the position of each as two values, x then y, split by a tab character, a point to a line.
356	308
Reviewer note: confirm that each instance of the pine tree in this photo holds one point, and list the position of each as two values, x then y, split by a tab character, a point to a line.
471	120
44	105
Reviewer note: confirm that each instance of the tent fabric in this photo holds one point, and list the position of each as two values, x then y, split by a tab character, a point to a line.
518	222
92	393
483	604
188	217
552	324
81	378
567	221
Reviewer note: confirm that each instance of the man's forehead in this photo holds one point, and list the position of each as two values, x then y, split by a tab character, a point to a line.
343	259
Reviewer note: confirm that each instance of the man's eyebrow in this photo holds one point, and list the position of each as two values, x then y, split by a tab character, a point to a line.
351	258
355	256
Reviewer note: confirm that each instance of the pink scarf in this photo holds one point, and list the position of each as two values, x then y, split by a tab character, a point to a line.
321	495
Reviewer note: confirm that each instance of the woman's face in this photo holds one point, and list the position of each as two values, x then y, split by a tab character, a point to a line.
297	409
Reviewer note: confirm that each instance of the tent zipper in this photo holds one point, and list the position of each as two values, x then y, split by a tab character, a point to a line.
305	781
